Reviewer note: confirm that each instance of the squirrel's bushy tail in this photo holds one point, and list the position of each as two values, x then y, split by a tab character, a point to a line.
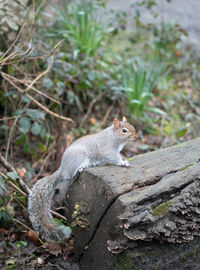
39	204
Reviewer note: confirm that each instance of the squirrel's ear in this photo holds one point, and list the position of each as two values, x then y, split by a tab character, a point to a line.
116	123
124	119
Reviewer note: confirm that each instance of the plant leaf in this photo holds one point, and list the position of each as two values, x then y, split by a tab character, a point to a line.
36	128
35	114
181	132
20	139
48	83
24	124
156	110
13	175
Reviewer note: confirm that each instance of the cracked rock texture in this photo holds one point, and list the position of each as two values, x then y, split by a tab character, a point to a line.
143	217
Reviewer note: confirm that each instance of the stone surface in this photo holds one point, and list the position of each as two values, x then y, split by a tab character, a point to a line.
153	205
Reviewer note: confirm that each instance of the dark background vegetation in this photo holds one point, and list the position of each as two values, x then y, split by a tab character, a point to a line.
67	71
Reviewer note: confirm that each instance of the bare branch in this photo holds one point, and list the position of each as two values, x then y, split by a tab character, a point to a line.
107	114
11	117
9	167
33	88
90	109
4	75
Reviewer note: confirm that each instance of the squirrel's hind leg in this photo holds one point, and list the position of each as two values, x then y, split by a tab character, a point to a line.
60	193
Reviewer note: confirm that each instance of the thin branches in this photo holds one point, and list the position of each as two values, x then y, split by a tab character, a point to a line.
33	88
9	167
25	189
16	53
6	77
16	56
90	109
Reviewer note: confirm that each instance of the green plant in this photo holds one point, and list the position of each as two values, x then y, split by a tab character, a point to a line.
30	121
139	78
166	37
81	25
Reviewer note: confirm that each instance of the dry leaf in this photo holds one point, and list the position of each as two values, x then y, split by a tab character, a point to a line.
92	120
69	139
21	172
53	248
178	53
31	236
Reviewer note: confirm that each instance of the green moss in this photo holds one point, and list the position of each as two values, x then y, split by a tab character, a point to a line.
190	254
162	209
125	261
179	145
186	166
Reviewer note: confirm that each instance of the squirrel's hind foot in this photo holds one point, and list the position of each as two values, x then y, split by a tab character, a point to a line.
58	233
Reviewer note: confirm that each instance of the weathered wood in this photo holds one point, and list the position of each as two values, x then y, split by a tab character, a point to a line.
146	207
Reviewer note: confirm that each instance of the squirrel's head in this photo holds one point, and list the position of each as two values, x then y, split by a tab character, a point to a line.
124	130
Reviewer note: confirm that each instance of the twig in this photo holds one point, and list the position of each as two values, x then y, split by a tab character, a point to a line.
38	77
37	57
6	164
58	215
12	45
11	117
22	71
9	167
27	191
12	55
4	75
21	59
9	137
43	164
10	133
25	195
18	189
107	114
13	185
14	219
89	109
33	88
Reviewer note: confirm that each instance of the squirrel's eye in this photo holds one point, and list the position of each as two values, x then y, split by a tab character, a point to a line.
124	130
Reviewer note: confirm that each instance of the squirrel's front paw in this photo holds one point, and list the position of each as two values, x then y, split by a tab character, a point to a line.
80	169
125	163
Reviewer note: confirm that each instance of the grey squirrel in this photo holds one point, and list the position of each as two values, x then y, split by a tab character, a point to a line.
91	150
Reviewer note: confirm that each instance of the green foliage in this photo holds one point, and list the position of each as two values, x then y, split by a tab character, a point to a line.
139	79
30	122
166	37
12	175
89	73
82	25
21	244
181	132
4	216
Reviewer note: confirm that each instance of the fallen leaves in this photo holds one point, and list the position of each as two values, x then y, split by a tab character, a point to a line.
55	248
21	172
32	236
92	120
